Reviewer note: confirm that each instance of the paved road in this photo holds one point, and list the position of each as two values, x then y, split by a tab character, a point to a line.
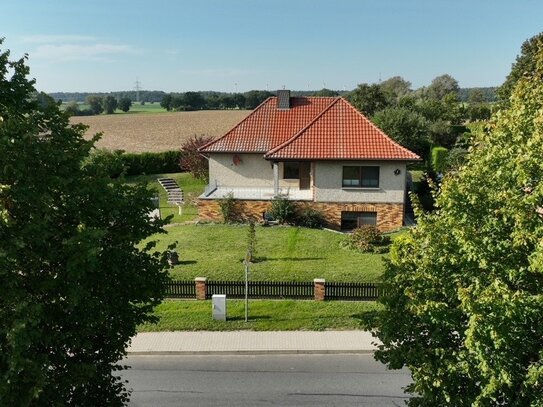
264	380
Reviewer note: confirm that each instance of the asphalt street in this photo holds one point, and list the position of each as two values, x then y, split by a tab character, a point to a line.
264	380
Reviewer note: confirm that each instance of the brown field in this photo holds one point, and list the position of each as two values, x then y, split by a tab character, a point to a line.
158	132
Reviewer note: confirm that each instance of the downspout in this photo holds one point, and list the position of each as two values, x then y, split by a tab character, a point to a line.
275	179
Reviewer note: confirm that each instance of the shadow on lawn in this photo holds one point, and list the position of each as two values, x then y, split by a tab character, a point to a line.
251	318
367	319
264	258
185	262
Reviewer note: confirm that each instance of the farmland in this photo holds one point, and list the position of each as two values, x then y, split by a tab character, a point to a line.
141	132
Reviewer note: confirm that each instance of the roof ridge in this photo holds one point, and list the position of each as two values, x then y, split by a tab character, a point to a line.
268	99
294	137
380	131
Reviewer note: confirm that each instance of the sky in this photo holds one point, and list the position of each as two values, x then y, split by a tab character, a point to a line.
239	45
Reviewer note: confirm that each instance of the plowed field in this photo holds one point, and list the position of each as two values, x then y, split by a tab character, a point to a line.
158	132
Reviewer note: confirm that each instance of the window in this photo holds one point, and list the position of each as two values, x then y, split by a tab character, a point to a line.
353	220
291	170
360	177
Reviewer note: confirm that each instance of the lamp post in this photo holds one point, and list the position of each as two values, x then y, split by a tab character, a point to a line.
246	263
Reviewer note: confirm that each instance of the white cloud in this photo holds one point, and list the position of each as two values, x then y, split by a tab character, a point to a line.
73	52
48	39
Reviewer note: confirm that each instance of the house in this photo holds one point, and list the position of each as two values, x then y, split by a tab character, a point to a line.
315	150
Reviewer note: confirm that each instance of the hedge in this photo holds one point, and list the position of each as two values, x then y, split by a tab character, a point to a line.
151	163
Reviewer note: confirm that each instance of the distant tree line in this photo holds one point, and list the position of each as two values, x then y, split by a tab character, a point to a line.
98	105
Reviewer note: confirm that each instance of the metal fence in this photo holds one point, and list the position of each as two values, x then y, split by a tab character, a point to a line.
352	291
180	289
262	289
277	290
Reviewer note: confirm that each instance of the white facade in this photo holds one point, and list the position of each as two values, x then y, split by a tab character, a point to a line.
327	180
248	170
250	176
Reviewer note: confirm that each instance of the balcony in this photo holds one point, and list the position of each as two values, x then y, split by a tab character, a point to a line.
256	193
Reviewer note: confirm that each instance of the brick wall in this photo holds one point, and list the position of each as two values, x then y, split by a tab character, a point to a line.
210	211
389	215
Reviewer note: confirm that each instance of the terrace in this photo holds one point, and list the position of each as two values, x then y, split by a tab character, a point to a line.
258	193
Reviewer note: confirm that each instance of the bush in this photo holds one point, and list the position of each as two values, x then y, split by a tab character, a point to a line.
106	160
283	210
152	163
367	239
191	159
439	159
228	208
310	218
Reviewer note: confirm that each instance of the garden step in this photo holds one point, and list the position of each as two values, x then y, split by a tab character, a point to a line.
175	193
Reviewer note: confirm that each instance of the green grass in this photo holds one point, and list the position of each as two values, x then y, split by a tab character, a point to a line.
191	187
283	253
135	108
264	315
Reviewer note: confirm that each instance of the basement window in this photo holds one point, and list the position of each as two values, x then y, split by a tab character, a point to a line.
353	220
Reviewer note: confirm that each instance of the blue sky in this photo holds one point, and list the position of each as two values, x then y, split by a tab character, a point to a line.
229	45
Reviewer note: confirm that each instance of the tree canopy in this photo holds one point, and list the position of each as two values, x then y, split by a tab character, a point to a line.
368	98
463	302
524	64
74	281
441	86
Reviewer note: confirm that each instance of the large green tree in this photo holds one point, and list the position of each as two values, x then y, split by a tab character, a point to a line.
125	104
464	303
96	103
74	282
524	64
368	98
441	86
395	88
407	127
110	104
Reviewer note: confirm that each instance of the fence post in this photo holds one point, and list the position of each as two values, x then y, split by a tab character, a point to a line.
200	288
320	293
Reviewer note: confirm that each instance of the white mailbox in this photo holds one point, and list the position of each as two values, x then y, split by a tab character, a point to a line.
219	307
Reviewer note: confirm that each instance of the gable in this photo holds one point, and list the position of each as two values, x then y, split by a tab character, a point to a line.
267	126
341	133
313	128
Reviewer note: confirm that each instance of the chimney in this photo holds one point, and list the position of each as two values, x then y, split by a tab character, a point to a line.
283	99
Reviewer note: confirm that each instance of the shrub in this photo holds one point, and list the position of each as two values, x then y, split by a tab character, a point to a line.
283	210
439	159
367	239
228	208
192	160
310	218
106	160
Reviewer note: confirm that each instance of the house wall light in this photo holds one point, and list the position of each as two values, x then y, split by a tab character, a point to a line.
397	171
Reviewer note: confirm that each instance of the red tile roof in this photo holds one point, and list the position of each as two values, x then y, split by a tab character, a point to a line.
316	128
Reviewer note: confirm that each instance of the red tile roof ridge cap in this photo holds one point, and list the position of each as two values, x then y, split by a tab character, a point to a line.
381	131
268	99
293	138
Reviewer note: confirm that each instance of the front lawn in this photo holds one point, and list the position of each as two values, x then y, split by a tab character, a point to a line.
264	315
216	251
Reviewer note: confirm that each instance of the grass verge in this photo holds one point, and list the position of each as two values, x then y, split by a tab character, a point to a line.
264	315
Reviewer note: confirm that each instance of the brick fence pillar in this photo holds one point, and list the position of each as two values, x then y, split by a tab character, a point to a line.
320	292
200	288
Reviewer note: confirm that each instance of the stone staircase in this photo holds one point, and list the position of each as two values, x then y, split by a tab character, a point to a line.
175	193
